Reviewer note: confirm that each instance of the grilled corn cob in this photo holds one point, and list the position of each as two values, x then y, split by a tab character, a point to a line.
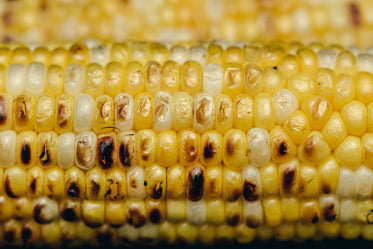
345	21
115	143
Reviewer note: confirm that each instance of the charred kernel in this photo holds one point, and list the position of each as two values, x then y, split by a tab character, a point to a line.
105	149
230	147
252	222
124	155
25	153
326	189
233	220
249	191
69	214
26	234
135	218
145	183
45	155
315	219
282	149
9	235
104	236
329	213
196	180
155	216
8	189
95	187
37	213
63	114
157	191
33	185
73	190
288	178
209	150
3	116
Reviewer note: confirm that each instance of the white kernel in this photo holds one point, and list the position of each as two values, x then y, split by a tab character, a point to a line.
327	58
198	54
347	211
65	150
7	148
35	78
365	63
74	78
85	150
345	188
83	113
196	212
363	183
259	146
285	104
212	79
15	79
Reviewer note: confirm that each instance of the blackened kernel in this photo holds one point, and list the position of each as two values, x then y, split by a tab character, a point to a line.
26	234
252	222
38	215
45	155
326	189
95	187
69	214
9	235
155	216
315	219
195	184
230	147
3	116
25	153
288	178
329	213
105	149
157	191
233	220
73	190
282	149
249	191
33	185
135	218
124	155
104	237
209	150
8	189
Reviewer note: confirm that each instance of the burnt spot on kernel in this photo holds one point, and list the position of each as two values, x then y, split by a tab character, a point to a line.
315	219
38	215
249	191
309	147
288	179
124	155
326	189
25	153
3	116
7	18
95	187
235	195
26	234
105	149
155	216
104	236
9	235
45	155
252	222
329	213
229	148
69	214
233	220
282	149
157	191
63	114
33	185
355	14
209	150
21	109
135	218
73	190
8	189
196	180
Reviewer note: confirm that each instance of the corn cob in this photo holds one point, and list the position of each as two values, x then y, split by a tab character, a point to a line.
195	142
344	21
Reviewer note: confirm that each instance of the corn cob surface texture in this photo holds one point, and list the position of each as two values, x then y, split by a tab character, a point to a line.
348	22
140	142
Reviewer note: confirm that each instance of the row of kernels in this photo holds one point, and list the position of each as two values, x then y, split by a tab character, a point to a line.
195	182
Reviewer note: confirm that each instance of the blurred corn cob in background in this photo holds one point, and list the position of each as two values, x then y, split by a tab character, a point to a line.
140	142
348	22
